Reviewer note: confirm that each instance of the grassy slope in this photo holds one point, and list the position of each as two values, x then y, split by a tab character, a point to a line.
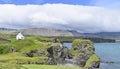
32	43
24	46
8	59
34	66
93	58
49	67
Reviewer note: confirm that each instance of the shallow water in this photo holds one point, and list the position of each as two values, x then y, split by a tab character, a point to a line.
108	52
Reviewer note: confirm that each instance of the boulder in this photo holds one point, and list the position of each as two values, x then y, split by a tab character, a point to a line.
57	54
12	50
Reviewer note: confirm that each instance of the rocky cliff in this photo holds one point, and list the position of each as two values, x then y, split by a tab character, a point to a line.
82	55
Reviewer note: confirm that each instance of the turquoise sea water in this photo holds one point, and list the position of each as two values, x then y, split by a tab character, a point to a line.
108	52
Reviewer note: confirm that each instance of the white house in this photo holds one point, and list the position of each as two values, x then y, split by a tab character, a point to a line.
19	36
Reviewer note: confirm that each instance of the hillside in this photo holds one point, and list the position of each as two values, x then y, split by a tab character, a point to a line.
55	32
45	32
48	32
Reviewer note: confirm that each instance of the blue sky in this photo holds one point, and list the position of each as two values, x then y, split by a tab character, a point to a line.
81	15
23	2
102	3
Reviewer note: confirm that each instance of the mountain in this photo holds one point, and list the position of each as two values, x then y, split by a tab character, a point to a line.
4	29
46	32
56	32
107	35
75	33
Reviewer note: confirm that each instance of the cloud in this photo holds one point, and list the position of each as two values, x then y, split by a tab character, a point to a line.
60	16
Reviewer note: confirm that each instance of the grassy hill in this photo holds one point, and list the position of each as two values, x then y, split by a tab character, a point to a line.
30	53
33	66
19	59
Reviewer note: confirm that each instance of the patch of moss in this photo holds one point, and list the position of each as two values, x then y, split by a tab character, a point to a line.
4	48
18	58
3	41
78	42
43	39
11	66
20	44
32	43
80	45
93	58
49	67
34	60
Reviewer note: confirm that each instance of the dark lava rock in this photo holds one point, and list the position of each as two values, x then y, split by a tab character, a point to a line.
57	54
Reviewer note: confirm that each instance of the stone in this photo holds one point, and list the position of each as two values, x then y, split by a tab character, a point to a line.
29	54
57	54
12	49
96	64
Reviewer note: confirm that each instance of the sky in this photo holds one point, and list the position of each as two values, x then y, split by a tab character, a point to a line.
85	16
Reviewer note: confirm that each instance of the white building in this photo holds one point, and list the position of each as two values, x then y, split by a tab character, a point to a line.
19	36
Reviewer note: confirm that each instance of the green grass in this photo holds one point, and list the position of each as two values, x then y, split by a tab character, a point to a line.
93	58
66	38
10	56
21	44
42	38
8	60
32	43
18	58
35	66
78	42
3	40
4	48
11	66
23	47
49	67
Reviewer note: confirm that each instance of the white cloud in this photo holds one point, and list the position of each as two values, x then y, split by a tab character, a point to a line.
63	16
42	17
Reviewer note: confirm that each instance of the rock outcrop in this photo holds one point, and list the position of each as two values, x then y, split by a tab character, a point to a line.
57	55
82	50
82	54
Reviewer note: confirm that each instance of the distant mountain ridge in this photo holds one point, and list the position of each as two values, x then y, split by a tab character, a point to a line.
56	32
45	32
108	35
2	29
